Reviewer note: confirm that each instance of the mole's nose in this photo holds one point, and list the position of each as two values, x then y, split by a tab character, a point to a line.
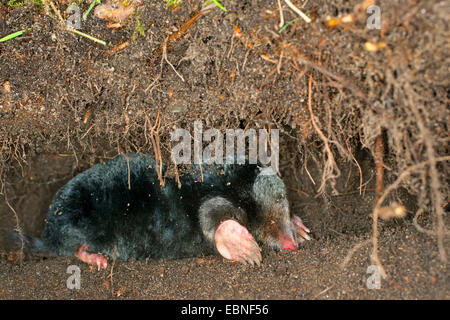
288	243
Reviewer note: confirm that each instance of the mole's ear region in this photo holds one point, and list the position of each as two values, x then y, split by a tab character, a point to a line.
266	171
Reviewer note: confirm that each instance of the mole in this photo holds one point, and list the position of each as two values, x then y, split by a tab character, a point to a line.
119	209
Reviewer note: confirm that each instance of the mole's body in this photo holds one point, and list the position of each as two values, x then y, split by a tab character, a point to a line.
120	208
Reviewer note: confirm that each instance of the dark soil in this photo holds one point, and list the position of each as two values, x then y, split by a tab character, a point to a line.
311	273
67	103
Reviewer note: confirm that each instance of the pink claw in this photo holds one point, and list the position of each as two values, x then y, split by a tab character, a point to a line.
234	242
91	258
302	230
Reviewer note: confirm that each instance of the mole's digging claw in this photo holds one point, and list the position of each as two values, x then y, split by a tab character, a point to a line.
91	258
234	242
302	230
256	257
241	260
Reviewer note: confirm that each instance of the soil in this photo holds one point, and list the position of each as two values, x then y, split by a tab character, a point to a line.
67	102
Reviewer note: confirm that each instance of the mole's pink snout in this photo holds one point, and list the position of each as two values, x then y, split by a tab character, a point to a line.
288	242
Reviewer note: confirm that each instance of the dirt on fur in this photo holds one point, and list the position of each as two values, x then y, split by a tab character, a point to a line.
333	87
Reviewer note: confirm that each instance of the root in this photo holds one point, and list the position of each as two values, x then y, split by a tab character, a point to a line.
384	195
17	228
379	163
112	270
379	152
352	252
359	168
435	185
177	176
340	79
423	230
330	164
375	214
154	137
128	170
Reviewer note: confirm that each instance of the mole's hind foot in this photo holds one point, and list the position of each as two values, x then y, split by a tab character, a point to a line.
234	242
302	230
91	258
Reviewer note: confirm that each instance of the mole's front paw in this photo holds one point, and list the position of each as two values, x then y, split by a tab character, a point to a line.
302	231
91	258
234	242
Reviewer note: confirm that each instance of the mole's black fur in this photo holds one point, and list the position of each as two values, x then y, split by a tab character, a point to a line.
121	205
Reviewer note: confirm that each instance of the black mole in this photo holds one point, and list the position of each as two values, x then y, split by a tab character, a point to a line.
120	208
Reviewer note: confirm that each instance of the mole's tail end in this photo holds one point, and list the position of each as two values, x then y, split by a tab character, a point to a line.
32	244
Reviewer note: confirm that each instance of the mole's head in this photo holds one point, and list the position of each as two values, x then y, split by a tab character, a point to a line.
275	227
